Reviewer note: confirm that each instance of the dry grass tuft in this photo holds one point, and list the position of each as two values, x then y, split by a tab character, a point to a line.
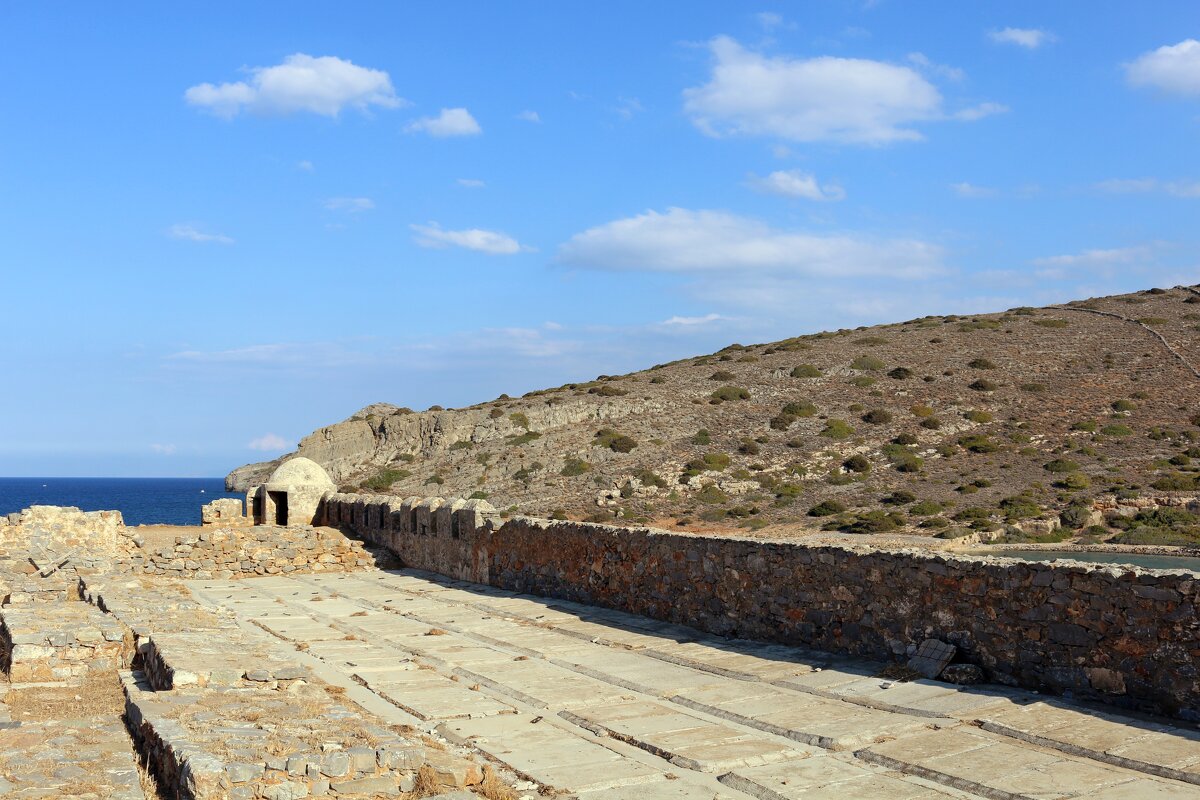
427	783
435	632
492	788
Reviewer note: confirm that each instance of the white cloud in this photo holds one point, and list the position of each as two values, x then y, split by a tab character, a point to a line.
686	241
947	72
852	100
980	111
305	166
471	183
1147	185
163	449
628	106
1099	257
529	116
350	205
691	321
192	233
965	189
1171	68
769	19
451	122
268	442
1029	38
491	242
795	183
319	85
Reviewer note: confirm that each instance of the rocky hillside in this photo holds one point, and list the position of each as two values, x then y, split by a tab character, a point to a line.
1003	422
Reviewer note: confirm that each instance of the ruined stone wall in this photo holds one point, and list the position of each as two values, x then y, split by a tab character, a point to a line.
1119	634
243	552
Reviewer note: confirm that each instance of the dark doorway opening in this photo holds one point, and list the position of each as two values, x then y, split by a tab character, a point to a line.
257	512
281	509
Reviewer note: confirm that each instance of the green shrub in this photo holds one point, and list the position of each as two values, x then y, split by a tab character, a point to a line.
872	522
608	390
862	381
519	419
826	508
384	479
575	466
1019	507
1074	481
900	497
749	447
617	442
729	393
979	443
926	508
495	413
1124	405
905	439
478	494
435	480
649	478
921	411
1117	429
867	363
702	437
1051	323
1075	516
931	423
524	438
977	416
877	416
857	463
462	444
1060	465
983	385
907	462
712	495
900	373
721	375
981	363
802	408
1087	425
806	371
870	341
837	429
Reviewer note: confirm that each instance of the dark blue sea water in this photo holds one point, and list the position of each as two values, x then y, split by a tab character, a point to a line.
142	501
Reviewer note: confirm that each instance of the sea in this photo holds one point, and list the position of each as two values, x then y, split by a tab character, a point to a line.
141	501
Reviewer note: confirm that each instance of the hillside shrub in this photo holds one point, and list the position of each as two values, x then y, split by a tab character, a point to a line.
802	408
981	363
867	363
900	497
575	466
983	385
617	442
931	423
712	495
900	373
926	508
524	438
905	439
462	444
702	437
729	393
857	463
721	375
877	416
979	443
384	479
837	429
608	390
1087	426
806	371
1124	405
519	419
1051	323
978	416
1060	465
827	508
921	412
862	381
1117	429
650	478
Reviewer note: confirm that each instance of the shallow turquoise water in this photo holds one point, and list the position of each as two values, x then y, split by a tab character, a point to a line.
1137	559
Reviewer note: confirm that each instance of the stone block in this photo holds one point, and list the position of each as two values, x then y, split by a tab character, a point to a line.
932	656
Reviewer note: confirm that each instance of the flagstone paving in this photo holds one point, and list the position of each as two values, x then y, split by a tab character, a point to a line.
610	705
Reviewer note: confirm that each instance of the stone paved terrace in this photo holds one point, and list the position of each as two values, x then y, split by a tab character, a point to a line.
608	705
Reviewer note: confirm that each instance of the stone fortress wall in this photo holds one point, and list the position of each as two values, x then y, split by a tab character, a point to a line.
1121	635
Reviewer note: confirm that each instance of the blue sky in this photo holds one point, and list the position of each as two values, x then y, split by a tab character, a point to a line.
223	225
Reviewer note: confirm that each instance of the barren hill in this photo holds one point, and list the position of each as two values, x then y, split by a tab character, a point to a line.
1002	422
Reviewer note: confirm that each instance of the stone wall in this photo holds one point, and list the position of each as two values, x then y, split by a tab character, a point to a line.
60	642
243	552
1118	634
63	527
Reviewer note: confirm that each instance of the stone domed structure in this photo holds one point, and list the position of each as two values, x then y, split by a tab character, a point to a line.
293	495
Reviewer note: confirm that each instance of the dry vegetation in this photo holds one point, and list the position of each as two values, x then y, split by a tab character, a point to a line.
932	426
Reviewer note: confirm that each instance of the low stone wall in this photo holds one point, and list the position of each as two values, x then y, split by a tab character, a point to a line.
64	527
1119	634
242	552
60	642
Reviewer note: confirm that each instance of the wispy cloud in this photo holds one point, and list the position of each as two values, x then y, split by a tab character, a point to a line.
305	166
965	189
192	233
350	205
484	241
163	449
529	116
627	107
795	183
687	241
941	70
470	183
1100	257
268	442
688	322
1029	38
450	122
1179	188
322	85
